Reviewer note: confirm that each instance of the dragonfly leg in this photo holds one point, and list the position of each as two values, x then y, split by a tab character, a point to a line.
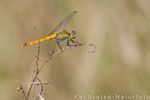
58	43
68	43
77	43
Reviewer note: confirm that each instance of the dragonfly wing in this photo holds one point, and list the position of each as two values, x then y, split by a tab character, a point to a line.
51	47
62	25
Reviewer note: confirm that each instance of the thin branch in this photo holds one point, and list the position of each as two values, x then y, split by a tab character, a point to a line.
37	57
38	83
36	72
66	48
20	88
38	69
41	87
86	53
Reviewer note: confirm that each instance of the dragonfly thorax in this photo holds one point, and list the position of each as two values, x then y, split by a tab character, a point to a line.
66	34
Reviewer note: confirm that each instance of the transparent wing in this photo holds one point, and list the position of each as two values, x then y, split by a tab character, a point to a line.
62	25
51	47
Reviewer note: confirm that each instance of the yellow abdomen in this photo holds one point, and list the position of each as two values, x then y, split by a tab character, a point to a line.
40	40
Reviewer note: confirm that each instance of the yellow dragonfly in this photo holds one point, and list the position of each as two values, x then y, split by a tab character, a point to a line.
59	34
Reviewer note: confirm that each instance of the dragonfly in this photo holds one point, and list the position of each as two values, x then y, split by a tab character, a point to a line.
59	34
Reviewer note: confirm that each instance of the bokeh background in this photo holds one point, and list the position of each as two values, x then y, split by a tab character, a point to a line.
119	28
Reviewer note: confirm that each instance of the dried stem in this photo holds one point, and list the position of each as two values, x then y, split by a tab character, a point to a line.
20	88
66	48
36	72
34	77
41	88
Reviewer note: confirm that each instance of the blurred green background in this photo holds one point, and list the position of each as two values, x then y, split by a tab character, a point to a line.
119	28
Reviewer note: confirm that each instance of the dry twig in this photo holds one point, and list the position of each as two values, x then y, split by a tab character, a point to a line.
34	78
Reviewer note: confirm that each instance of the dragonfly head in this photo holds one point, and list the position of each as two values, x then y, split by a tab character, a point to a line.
73	35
